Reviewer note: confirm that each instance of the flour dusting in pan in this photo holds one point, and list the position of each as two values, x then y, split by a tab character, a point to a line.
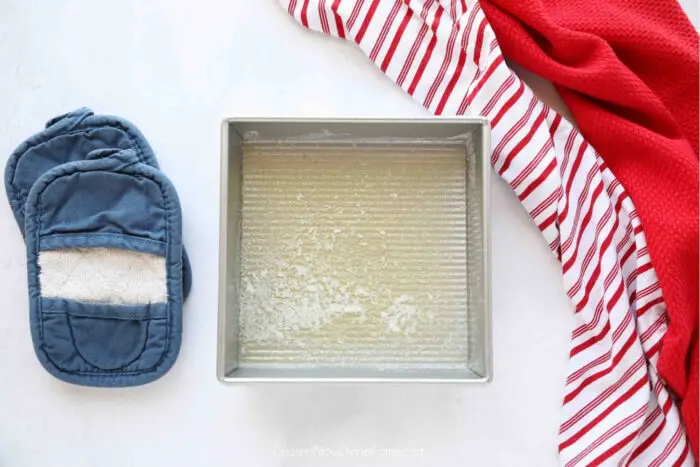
353	257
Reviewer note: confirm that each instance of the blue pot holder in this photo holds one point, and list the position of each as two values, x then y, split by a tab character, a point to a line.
107	271
67	138
104	253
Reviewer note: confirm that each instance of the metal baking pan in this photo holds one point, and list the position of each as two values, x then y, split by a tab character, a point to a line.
354	250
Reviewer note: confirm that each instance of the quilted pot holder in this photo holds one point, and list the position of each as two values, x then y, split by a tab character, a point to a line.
104	255
68	138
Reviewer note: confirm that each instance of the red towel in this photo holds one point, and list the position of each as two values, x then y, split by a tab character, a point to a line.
628	70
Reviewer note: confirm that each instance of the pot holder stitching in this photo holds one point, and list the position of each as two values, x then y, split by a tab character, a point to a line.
75	240
98	369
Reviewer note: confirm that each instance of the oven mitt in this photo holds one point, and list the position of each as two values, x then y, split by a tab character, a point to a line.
67	138
104	256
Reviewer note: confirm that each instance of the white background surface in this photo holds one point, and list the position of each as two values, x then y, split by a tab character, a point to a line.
176	68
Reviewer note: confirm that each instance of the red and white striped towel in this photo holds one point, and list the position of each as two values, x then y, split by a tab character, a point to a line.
444	53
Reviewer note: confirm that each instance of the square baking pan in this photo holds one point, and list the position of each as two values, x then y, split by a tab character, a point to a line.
355	250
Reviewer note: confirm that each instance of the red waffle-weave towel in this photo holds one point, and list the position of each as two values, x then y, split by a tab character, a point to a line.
628	70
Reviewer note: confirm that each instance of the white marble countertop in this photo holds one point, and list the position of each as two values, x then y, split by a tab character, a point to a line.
176	68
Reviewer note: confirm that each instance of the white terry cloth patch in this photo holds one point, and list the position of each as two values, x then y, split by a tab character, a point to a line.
103	275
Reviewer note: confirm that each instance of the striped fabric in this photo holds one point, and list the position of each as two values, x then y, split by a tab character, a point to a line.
616	411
